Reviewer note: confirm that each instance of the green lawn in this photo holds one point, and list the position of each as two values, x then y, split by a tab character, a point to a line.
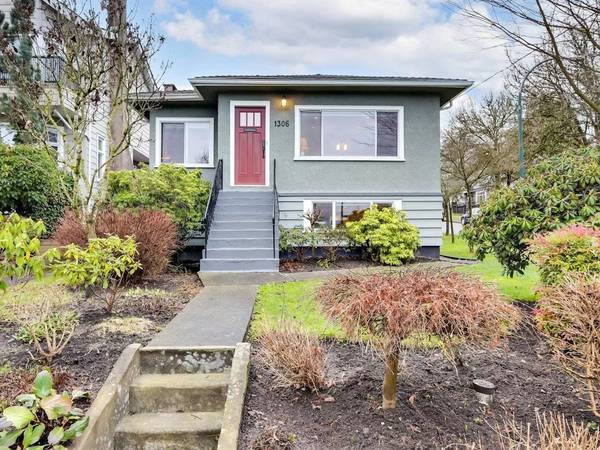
520	287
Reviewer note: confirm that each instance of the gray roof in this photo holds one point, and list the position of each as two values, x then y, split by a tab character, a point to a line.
446	88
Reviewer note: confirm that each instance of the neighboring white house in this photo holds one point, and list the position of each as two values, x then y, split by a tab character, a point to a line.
97	134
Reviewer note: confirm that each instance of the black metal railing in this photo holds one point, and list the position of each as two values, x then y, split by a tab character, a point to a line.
47	69
211	205
275	210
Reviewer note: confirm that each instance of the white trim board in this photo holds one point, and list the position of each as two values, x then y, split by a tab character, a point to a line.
249	103
158	139
399	109
307	206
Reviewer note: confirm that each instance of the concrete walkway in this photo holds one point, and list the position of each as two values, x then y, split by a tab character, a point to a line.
220	314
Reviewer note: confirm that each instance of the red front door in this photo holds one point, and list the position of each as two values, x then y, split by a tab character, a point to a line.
250	145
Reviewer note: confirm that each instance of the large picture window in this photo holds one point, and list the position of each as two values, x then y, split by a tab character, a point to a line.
349	133
187	142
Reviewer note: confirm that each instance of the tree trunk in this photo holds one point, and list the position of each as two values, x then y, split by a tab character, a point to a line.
390	381
448	216
451	226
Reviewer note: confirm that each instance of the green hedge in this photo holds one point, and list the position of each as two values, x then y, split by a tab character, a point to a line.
32	185
180	192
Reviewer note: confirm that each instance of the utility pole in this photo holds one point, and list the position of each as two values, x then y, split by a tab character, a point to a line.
117	26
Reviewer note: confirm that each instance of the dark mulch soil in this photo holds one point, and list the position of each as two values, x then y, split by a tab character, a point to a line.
91	353
315	265
436	407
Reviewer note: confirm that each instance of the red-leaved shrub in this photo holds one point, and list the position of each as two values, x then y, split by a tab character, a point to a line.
154	232
386	309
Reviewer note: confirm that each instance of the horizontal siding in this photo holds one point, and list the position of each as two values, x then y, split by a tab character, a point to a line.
423	211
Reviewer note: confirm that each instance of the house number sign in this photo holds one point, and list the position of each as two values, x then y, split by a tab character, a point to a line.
282	123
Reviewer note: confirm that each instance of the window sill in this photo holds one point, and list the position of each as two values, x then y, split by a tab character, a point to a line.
355	158
191	166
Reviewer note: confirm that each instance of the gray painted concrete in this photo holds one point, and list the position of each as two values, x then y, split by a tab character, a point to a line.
218	315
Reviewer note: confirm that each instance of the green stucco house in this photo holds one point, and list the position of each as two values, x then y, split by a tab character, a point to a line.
278	147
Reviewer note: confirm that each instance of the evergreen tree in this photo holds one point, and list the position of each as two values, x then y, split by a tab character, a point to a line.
16	54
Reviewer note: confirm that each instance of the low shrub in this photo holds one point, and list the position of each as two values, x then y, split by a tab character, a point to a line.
571	249
295	357
569	316
298	241
386	309
154	232
32	185
387	235
43	418
104	267
272	438
48	323
19	245
179	192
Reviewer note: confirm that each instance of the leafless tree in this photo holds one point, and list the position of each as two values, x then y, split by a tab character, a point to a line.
565	32
83	84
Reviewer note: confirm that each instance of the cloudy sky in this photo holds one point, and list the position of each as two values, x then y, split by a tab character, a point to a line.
358	37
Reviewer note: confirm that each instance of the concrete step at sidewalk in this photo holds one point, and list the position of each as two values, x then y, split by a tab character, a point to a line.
240	253
263	224
239	265
185	332
172	393
265	233
246	242
169	431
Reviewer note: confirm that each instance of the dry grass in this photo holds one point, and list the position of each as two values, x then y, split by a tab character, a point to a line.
271	439
552	432
569	316
295	357
129	326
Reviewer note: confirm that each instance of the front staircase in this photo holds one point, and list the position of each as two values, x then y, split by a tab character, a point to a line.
241	234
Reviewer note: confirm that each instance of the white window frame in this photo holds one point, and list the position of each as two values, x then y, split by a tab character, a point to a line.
308	206
59	143
185	120
100	150
321	108
249	103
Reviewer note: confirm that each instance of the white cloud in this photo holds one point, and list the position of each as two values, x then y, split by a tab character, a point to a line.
163	7
399	37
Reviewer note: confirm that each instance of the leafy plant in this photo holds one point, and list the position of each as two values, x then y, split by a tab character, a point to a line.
571	249
385	310
154	232
103	266
180	192
293	240
43	419
567	314
19	245
386	234
559	190
47	324
32	185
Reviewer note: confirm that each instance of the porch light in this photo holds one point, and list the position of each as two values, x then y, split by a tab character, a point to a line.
283	102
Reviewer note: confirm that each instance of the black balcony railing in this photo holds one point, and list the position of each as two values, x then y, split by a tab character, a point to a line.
47	69
212	200
275	211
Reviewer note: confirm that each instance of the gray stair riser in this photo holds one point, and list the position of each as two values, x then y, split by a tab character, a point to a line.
239	253
239	265
246	197
252	242
167	441
232	202
241	225
227	215
185	361
216	233
250	208
160	399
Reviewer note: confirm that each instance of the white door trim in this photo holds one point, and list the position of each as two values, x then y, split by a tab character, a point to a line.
249	103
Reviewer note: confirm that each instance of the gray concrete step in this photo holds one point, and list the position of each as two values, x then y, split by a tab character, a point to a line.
217	233
170	393
169	431
225	214
239	253
264	224
239	265
246	242
234	203
160	358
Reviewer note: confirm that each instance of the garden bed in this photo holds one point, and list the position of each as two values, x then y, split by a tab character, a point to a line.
436	406
99	338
